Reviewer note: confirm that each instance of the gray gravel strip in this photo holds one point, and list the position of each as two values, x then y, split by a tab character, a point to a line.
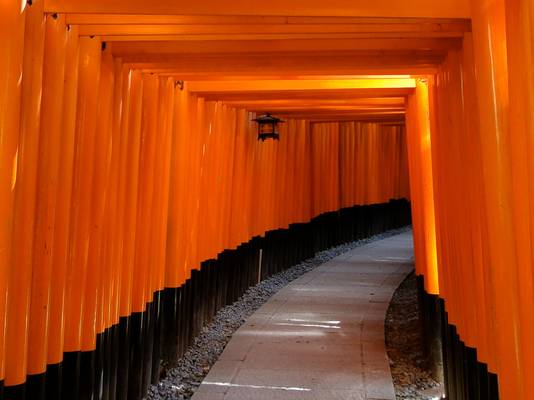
182	380
412	375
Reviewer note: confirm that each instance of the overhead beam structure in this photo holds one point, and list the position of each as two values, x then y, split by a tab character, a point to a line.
318	8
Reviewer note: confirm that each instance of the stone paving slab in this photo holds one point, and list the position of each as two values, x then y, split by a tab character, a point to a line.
321	337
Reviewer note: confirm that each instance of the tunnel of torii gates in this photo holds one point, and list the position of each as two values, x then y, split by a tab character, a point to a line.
136	200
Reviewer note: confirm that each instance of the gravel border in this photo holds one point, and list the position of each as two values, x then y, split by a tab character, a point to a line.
412	376
182	380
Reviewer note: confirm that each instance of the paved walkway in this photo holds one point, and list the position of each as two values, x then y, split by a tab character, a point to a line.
321	337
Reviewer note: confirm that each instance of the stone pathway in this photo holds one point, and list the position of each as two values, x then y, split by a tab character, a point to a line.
321	337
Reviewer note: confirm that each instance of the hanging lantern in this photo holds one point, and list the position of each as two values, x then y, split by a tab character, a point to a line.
267	127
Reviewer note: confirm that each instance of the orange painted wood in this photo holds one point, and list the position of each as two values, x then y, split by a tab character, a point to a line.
93	320
24	185
116	183
520	56
422	194
141	291
450	29
163	172
46	194
12	21
489	33
379	8
83	175
57	319
205	44
131	128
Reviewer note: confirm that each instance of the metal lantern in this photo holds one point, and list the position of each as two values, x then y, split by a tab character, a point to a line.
267	127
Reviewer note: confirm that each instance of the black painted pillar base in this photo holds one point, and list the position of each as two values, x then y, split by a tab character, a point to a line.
135	377
464	376
124	359
71	375
17	392
158	337
87	375
54	381
114	368
36	387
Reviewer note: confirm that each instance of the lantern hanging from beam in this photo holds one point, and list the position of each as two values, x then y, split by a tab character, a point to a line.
267	127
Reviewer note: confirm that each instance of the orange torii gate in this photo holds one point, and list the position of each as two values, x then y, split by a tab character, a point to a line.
131	178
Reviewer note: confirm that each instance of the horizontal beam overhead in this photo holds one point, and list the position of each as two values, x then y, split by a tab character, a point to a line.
349	63
286	74
257	56
307	94
313	114
387	120
375	8
118	19
396	30
312	43
211	87
143	37
304	99
343	102
356	111
397	118
325	109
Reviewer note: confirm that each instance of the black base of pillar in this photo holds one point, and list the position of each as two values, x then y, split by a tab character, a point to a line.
124	359
70	384
36	387
17	392
465	377
54	381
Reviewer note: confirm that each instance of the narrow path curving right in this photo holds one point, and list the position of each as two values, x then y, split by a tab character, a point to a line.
322	336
